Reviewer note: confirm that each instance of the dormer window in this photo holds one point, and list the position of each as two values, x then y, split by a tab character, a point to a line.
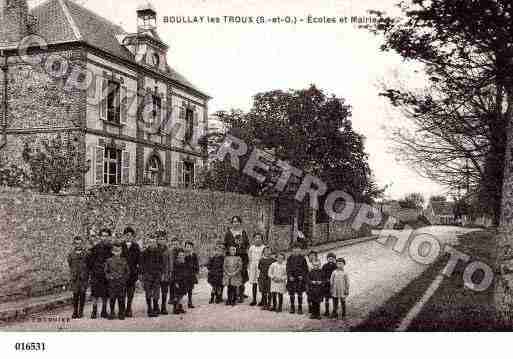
155	60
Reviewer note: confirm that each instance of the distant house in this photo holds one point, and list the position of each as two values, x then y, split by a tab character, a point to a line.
440	212
397	213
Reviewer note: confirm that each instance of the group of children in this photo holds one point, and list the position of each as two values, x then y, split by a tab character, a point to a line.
112	269
274	276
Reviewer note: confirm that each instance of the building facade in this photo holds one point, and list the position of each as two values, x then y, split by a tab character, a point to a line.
134	118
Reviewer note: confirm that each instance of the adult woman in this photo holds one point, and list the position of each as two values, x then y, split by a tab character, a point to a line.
236	236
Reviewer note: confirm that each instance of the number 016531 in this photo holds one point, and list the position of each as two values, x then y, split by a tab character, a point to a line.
30	347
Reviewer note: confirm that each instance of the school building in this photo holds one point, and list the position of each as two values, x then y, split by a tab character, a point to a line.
133	117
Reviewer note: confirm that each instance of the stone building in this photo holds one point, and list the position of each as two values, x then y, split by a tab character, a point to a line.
134	118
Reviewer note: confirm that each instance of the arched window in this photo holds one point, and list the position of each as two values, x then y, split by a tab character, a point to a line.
154	171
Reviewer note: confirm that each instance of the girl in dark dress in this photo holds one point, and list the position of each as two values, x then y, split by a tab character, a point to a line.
215	268
264	282
180	276
238	237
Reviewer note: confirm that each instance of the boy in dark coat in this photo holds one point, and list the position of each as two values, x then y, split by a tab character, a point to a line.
316	288
180	281
117	274
152	267
99	284
132	253
175	247
327	270
264	282
166	270
215	268
79	276
191	260
297	270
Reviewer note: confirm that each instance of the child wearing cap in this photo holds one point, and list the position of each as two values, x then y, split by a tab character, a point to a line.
117	274
215	275
79	273
297	270
315	289
339	283
327	270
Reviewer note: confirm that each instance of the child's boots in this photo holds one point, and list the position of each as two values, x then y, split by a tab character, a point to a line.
327	309
94	312
212	298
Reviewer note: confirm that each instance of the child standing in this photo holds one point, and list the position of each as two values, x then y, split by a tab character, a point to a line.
297	270
339	283
79	273
327	270
232	274
254	255
310	259
215	268
315	289
278	275
181	275
264	282
165	280
191	259
152	269
117	273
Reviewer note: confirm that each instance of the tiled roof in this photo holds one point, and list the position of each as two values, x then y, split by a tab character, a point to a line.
61	21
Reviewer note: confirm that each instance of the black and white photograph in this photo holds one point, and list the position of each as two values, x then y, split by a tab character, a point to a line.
255	166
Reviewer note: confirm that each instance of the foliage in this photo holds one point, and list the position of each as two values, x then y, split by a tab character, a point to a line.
55	165
413	201
438	199
304	128
461	117
11	175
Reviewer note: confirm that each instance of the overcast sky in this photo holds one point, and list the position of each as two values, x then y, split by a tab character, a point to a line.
232	62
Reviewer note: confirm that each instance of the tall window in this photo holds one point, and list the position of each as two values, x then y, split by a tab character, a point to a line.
113	102
157	107
154	171
112	166
188	174
189	124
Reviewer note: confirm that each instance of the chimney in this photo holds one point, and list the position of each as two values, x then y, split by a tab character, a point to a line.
146	17
13	21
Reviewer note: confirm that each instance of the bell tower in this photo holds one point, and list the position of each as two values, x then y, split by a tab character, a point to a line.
13	21
146	17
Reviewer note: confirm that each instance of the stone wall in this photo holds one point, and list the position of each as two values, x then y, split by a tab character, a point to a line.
36	230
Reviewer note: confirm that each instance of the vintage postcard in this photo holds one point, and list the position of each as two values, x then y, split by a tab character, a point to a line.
255	166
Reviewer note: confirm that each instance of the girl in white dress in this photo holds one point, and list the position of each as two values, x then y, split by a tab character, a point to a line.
278	275
255	254
339	283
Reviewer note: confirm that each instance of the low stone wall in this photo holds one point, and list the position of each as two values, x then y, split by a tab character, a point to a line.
36	230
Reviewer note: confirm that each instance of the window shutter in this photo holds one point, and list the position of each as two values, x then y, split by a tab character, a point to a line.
103	98
197	169
182	111
90	161
179	173
91	91
123	105
125	167
99	158
148	103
